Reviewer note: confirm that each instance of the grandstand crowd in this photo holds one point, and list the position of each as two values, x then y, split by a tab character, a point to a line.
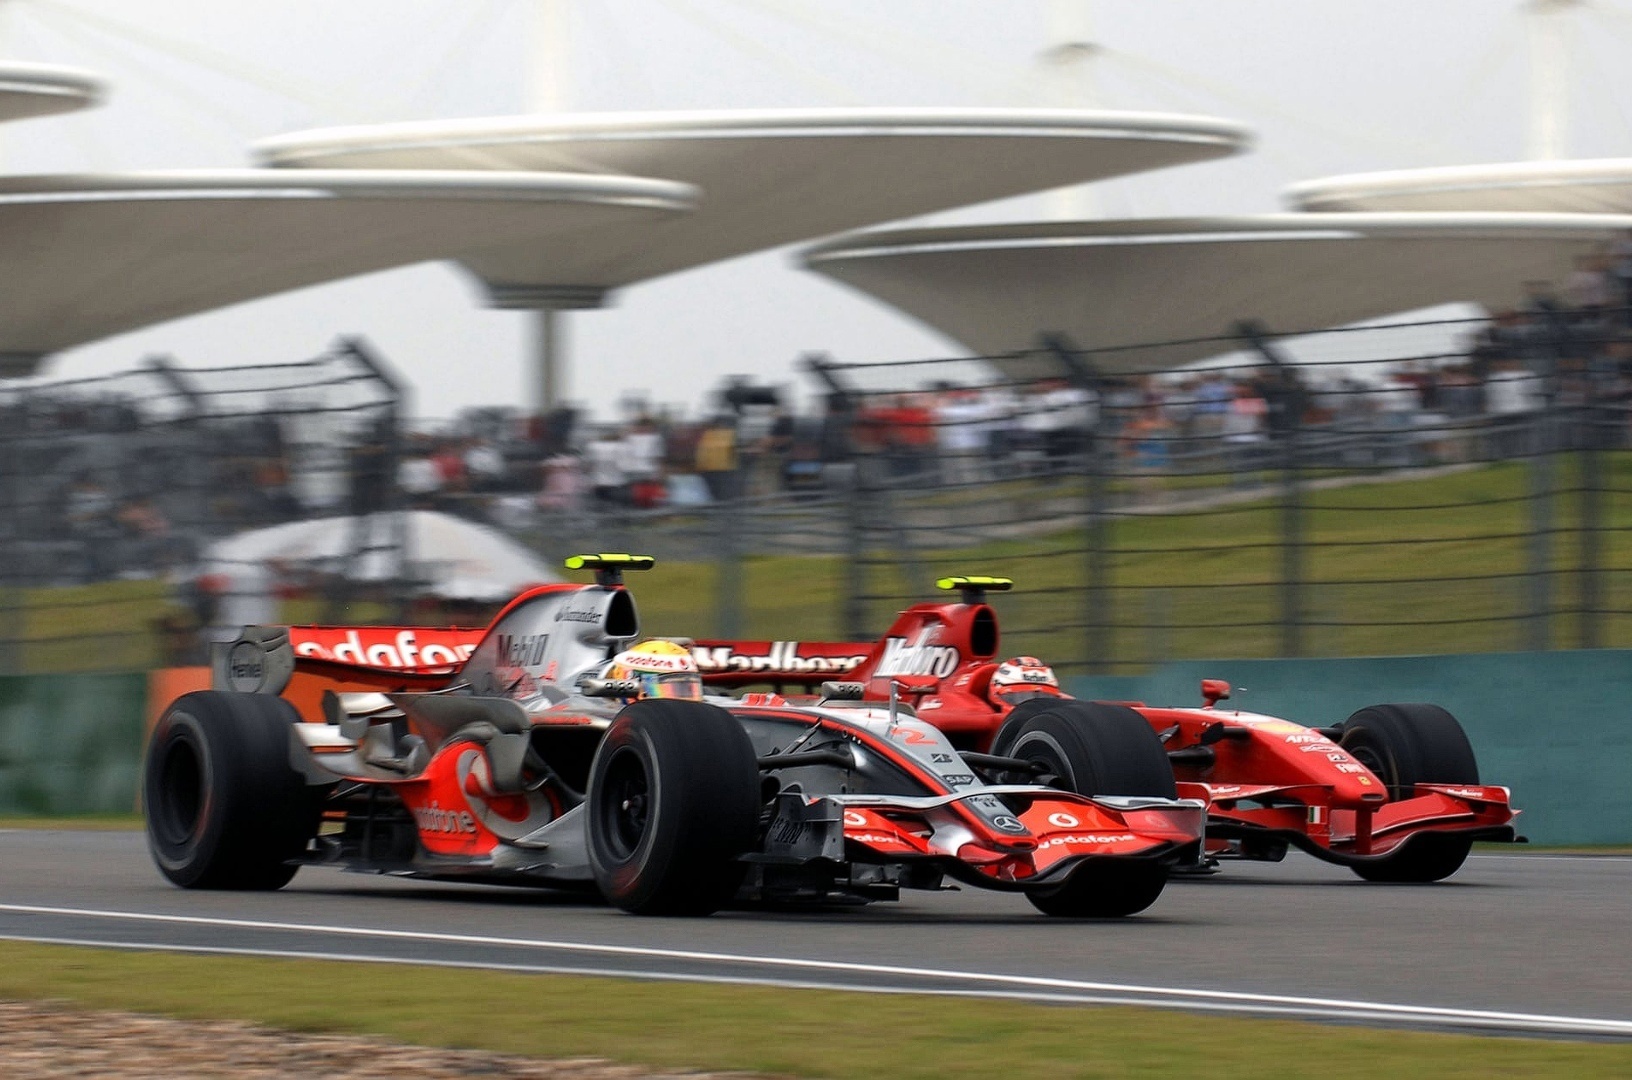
97	492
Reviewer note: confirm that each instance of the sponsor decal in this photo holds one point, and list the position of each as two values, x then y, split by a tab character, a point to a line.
395	649
1325	746
788	831
783	658
933	703
1063	821
1467	793
923	657
875	839
1008	823
942	759
1070	839
958	779
521	650
1317	815
854	820
1308	737
1351	768
584	615
246	667
437	820
1224	789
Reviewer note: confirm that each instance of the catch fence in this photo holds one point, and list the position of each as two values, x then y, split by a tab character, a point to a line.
1430	487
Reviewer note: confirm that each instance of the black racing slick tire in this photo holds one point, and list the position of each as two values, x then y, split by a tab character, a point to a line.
224	808
674	800
1093	748
1406	745
1090	747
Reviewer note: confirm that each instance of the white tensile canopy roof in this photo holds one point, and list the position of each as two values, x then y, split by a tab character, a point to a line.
452	558
28	90
1600	186
1109	284
768	177
89	256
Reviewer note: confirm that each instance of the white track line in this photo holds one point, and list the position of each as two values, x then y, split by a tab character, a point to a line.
1053	989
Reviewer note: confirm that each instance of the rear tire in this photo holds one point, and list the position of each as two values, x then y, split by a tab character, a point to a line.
224	808
673	801
1093	748
1406	745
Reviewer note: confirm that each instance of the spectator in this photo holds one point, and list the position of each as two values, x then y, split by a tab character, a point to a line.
716	460
642	452
604	458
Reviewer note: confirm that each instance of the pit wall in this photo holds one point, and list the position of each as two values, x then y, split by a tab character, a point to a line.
1555	727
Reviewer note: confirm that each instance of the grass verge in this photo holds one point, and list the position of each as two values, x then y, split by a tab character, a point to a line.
99	822
788	1032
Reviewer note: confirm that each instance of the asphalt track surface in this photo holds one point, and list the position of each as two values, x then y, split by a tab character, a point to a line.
1521	943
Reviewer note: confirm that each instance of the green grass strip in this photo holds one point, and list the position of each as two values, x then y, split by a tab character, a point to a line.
786	1032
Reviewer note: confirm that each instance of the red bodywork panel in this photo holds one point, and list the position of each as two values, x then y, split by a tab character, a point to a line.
940	658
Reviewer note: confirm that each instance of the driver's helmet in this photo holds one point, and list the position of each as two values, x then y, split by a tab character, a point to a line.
663	669
1022	677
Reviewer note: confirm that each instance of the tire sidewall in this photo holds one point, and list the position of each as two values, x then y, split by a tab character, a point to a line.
184	859
621	877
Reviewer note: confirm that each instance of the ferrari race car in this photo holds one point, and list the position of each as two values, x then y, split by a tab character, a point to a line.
552	749
1393	792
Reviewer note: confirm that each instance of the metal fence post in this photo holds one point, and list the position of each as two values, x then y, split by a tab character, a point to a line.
846	469
1595	436
1099	643
1542	488
1289	441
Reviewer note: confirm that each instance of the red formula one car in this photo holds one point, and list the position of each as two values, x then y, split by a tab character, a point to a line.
554	749
1392	792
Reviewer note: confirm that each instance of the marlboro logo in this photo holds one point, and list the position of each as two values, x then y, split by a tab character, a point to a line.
781	659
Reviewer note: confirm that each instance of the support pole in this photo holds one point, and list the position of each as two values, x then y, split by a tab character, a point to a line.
1099	644
847	470
547	377
549	373
1289	442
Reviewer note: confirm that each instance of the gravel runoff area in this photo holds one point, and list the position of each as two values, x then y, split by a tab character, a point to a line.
43	1041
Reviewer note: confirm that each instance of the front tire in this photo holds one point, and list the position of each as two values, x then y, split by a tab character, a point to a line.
224	808
1093	748
1406	745
673	801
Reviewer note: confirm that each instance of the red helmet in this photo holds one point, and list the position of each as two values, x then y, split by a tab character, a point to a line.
1022	677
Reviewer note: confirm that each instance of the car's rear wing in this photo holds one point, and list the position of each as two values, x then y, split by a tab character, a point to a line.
799	663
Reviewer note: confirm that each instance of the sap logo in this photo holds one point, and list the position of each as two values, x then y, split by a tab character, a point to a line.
524	651
437	820
958	779
925	658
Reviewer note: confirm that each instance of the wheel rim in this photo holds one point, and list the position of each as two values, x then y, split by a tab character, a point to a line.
1041	749
625	803
1370	756
180	792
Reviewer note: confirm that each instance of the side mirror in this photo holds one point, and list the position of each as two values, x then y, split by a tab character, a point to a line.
1213	691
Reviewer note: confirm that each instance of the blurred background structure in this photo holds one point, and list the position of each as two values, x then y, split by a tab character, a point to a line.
1391	419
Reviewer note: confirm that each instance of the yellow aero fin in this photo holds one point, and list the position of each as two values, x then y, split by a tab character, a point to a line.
610	565
974	587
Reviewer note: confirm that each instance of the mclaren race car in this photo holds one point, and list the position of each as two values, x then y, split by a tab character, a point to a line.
554	748
1393	792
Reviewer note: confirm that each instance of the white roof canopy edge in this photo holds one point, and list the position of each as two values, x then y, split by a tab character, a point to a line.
29	90
1279	228
1374	190
183	184
297	148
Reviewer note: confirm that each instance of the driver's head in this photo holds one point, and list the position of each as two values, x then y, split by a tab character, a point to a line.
663	669
1022	677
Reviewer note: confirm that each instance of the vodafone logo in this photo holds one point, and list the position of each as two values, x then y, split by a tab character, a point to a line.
1063	821
853	819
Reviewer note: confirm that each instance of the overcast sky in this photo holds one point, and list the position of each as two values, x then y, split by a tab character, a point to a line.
1329	87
